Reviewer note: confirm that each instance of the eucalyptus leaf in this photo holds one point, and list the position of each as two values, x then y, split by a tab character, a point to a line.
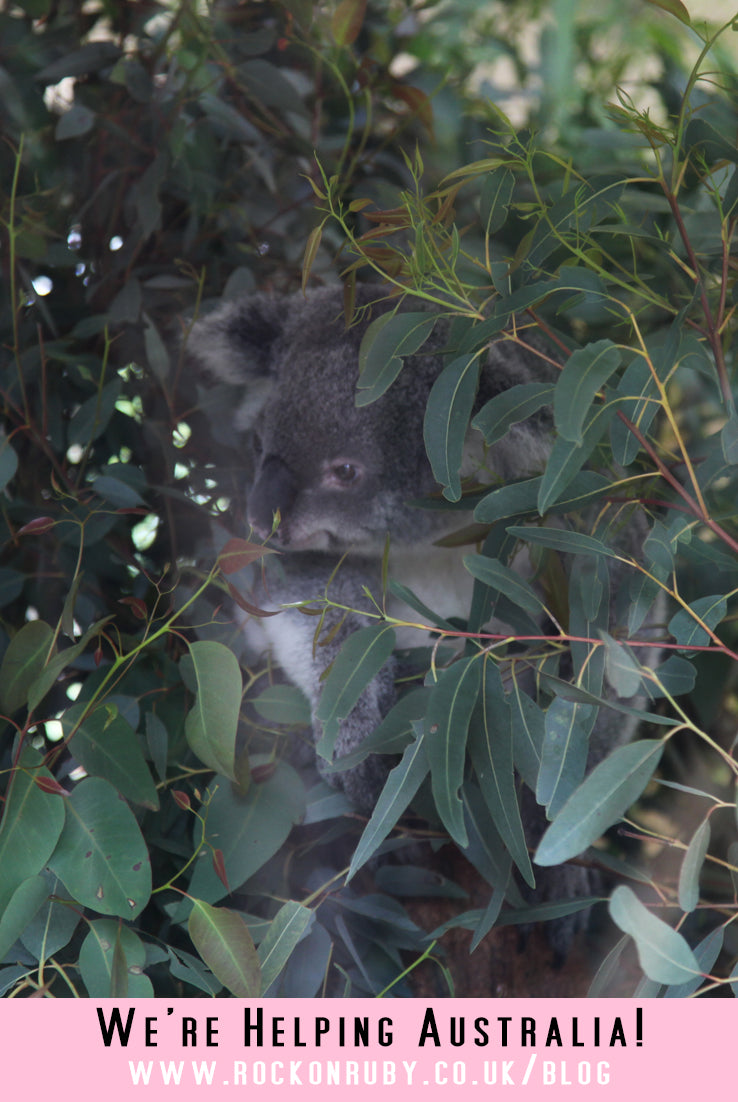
357	663
289	925
599	801
447	414
222	939
101	857
446	725
664	955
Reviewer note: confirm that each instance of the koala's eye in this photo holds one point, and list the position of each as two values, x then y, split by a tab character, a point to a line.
345	472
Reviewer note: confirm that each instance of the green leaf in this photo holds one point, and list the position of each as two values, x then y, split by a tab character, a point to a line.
400	787
282	704
603	797
495	197
27	899
575	543
706	953
387	339
686	625
528	732
674	7
358	662
520	498
447	414
623	672
248	829
101	856
93	416
109	950
499	414
107	746
583	375
212	724
222	939
347	21
31	824
505	580
564	752
65	659
23	662
53	925
567	458
287	928
638	398
694	859
8	461
447	721
491	749
74	123
676	676
663	953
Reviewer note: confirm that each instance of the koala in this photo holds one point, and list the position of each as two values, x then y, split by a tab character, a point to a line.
342	478
333	481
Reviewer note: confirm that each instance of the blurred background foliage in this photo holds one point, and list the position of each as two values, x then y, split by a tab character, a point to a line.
155	157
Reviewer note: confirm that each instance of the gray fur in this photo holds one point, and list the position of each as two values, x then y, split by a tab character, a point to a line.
298	365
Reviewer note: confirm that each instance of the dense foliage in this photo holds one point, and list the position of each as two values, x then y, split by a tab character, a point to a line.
156	835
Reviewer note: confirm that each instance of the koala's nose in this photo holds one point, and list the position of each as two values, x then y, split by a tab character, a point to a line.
275	489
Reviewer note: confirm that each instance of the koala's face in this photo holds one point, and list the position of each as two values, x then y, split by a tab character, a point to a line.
338	475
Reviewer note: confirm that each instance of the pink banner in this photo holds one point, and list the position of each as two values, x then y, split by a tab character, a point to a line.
355	1049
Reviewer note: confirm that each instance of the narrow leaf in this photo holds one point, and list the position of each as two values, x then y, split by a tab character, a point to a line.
584	373
491	749
287	928
694	859
358	662
564	752
603	797
399	789
504	580
447	724
388	338
447	414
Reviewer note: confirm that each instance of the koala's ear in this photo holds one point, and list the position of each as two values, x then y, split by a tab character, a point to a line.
235	343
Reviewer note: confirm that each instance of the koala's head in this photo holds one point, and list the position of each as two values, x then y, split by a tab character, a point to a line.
339	475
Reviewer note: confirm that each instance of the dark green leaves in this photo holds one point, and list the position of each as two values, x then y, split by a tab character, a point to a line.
24	660
599	801
510	407
446	421
584	373
101	856
360	659
388	339
212	723
446	724
31	824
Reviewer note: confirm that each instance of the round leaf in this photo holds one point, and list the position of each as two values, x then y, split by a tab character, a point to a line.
101	856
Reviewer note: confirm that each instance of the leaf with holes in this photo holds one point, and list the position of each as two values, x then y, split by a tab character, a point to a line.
101	857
